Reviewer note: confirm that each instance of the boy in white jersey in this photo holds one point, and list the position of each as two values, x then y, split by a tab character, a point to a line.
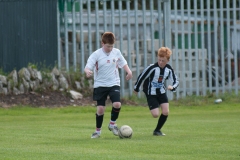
104	64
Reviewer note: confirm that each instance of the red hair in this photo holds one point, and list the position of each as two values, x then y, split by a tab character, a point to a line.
108	38
164	52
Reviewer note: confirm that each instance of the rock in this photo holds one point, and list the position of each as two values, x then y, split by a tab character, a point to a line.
56	72
3	79
78	85
14	77
63	82
24	73
75	95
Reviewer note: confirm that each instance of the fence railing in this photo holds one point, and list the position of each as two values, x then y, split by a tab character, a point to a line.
205	39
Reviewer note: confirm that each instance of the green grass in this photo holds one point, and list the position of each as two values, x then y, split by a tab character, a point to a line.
206	132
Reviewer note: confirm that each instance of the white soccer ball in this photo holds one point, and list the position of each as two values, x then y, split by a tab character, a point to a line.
125	131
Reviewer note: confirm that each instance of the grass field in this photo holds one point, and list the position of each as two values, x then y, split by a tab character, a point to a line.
205	132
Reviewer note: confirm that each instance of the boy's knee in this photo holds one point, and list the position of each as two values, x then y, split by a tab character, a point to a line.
165	113
100	110
116	104
155	115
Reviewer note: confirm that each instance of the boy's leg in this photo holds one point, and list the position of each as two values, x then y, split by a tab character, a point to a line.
112	124
115	112
161	121
116	104
153	104
100	96
115	98
99	121
163	100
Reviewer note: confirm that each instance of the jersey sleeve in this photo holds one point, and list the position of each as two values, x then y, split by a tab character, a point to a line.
145	74
91	62
174	79
121	60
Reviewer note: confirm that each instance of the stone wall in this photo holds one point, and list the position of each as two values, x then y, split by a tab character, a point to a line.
30	79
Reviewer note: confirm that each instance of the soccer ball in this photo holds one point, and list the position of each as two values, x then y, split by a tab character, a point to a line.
125	131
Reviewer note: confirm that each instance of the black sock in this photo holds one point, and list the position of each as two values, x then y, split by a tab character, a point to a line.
99	120
115	113
162	119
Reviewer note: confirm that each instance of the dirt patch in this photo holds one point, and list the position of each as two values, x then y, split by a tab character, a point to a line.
49	99
45	99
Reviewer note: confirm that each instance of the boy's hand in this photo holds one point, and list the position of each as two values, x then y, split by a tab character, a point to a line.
129	76
170	87
88	72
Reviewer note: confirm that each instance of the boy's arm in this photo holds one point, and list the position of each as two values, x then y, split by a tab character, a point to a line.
129	72
91	62
175	82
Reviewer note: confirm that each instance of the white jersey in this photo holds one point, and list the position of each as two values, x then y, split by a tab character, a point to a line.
105	67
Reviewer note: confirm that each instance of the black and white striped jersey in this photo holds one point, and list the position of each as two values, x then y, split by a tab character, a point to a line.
154	79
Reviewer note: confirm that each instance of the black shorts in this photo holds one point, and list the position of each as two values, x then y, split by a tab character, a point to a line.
154	101
100	94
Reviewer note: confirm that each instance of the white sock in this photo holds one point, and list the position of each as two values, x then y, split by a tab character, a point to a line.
98	130
112	123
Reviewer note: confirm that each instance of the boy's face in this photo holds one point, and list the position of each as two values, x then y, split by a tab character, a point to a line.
162	61
107	47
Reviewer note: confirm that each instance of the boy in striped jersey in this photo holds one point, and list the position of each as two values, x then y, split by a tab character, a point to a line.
104	63
154	78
